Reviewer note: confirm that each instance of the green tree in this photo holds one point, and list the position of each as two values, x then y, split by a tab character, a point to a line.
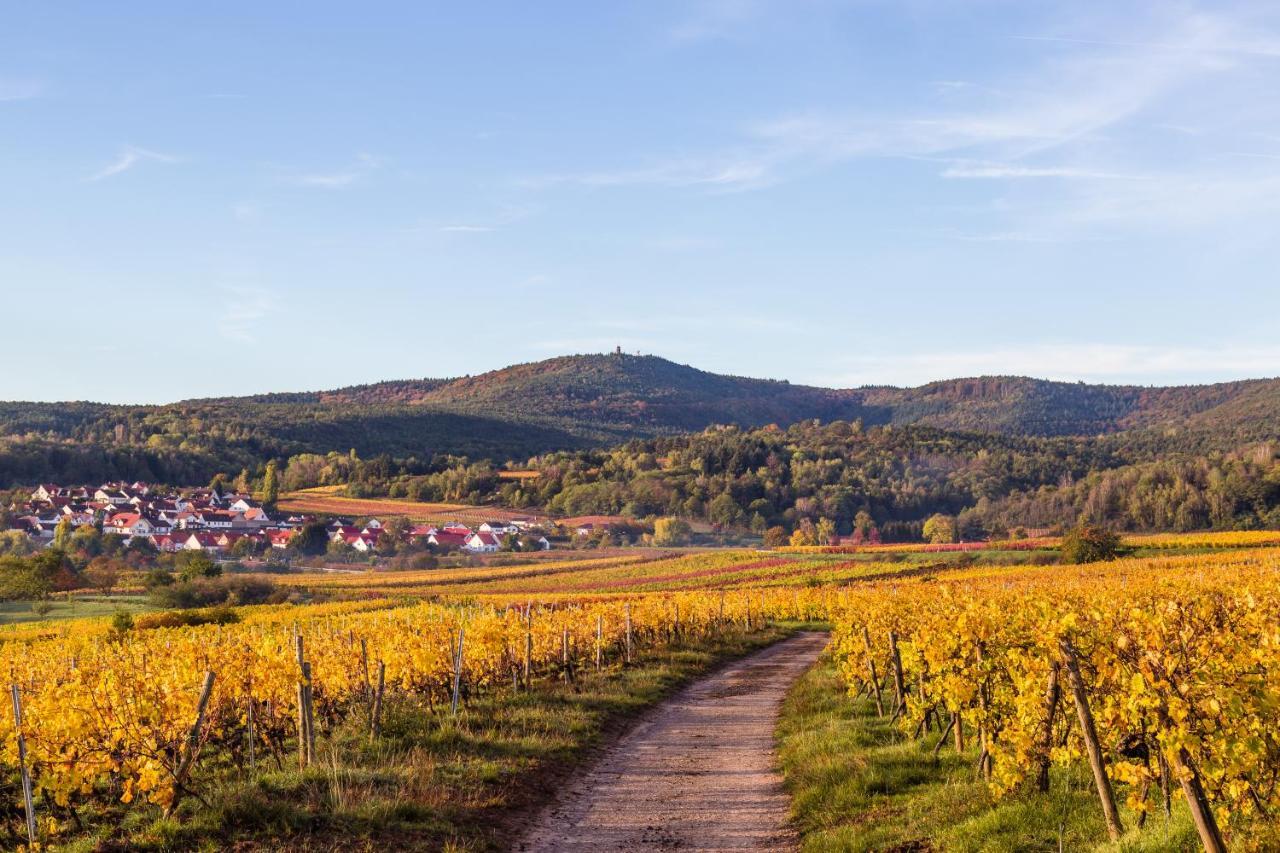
940	529
271	485
671	531
62	534
724	510
312	539
196	564
1090	544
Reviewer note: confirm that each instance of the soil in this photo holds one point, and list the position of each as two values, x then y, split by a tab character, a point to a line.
696	773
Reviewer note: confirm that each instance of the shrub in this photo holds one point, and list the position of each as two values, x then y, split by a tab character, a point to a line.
1090	544
181	618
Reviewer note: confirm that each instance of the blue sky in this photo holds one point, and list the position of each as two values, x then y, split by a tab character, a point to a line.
287	196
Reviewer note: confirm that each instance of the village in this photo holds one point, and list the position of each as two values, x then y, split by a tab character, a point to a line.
226	524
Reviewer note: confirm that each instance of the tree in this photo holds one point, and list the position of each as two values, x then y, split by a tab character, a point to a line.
21	579
1090	544
940	529
271	485
724	510
103	573
671	531
826	532
312	539
196	564
775	537
804	534
62	534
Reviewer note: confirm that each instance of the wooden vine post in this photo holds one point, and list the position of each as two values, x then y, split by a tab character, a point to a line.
305	739
871	668
599	640
628	632
27	801
192	745
899	683
375	715
457	675
1105	794
1051	695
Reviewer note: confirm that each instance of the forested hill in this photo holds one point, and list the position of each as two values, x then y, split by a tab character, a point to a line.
588	401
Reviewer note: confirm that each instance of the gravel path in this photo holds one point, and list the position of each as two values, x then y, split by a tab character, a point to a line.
697	773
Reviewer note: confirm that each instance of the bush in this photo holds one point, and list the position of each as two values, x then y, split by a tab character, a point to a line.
1090	544
180	618
210	592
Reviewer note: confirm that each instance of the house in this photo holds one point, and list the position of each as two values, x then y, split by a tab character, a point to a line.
206	542
499	528
280	538
115	497
129	524
373	524
481	543
448	539
244	505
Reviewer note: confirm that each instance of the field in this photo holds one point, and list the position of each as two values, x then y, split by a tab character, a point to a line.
1177	657
327	500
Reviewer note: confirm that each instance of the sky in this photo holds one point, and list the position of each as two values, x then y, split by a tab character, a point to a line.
232	198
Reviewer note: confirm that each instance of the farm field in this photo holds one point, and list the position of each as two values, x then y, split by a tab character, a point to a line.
112	762
326	500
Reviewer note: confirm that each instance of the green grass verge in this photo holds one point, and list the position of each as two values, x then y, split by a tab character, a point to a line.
859	785
429	782
82	606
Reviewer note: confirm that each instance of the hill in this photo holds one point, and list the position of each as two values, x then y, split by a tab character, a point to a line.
584	401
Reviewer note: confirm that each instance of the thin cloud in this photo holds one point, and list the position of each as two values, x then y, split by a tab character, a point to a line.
339	179
244	309
465	229
1010	170
131	156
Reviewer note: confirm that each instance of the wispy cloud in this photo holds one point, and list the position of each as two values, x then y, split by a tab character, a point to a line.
1013	170
243	309
465	229
710	20
729	171
338	179
131	156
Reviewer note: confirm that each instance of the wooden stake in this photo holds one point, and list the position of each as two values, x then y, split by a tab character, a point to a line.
376	716
1051	694
1201	811
899	683
252	739
599	640
871	666
27	801
528	657
959	730
1090	732
628	632
457	675
192	744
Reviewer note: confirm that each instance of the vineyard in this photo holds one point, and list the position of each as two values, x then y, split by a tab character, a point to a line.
329	500
137	718
1161	674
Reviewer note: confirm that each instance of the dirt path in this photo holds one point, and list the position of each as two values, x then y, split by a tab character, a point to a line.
697	773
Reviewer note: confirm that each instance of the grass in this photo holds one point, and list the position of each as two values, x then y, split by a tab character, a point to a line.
75	607
429	781
859	785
